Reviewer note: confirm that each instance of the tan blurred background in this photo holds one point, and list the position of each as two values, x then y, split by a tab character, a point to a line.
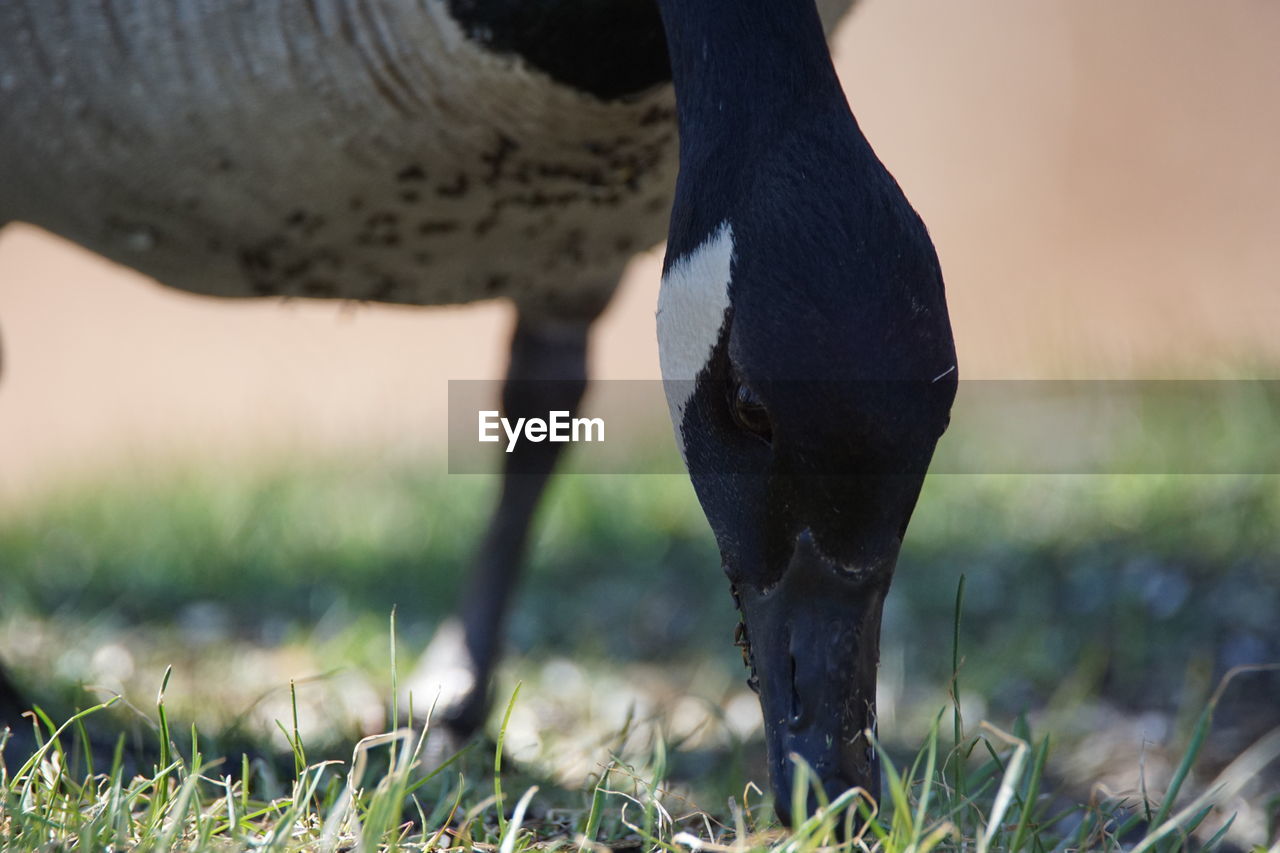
1102	180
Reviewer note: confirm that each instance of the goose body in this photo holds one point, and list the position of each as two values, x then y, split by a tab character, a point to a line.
385	150
368	151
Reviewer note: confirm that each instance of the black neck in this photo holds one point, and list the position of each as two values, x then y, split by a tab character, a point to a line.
742	66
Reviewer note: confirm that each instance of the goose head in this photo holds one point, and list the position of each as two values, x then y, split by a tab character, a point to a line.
809	368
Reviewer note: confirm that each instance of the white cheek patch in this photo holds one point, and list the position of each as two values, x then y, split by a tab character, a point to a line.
691	312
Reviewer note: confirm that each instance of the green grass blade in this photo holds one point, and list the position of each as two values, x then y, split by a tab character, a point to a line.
1216	838
497	759
591	825
1189	755
957	722
1033	793
508	844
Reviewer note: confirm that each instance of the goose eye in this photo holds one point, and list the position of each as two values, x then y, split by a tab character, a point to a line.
750	414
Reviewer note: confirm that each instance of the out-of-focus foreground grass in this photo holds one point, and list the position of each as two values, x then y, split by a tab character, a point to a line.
1101	610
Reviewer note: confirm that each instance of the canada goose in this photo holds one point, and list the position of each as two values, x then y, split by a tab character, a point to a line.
441	151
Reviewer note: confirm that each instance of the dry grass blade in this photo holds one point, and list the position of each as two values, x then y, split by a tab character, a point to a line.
1008	783
1227	785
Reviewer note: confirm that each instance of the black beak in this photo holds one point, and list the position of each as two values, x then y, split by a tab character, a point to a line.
814	644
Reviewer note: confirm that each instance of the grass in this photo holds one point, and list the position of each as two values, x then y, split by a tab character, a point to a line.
1099	616
940	800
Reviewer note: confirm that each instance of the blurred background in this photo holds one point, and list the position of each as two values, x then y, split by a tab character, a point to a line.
250	487
1101	181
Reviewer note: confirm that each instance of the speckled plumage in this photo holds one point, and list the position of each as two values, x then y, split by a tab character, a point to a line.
353	149
366	152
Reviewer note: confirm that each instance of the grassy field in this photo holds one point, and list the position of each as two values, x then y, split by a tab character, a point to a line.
1099	615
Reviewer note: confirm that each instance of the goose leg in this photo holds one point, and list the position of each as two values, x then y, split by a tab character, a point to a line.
19	743
547	372
12	703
